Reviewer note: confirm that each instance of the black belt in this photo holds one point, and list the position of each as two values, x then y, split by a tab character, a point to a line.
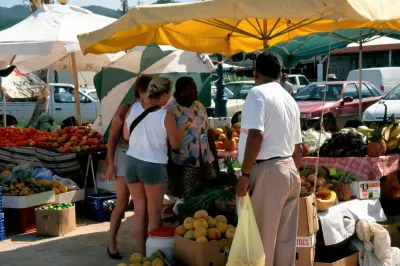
273	158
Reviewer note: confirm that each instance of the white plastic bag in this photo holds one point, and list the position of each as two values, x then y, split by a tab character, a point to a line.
247	248
68	183
376	238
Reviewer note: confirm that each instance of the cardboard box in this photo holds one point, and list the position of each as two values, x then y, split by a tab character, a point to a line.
307	223
194	253
54	222
22	202
305	250
366	189
351	260
71	196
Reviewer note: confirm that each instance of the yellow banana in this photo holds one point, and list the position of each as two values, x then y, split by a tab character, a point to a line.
395	132
392	144
386	134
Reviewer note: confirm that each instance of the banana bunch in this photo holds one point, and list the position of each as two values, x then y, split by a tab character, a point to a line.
391	135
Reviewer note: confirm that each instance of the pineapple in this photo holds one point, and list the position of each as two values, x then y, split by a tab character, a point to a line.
377	146
230	144
342	187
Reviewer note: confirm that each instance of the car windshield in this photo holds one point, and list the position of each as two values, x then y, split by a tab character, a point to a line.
228	93
393	94
315	92
93	95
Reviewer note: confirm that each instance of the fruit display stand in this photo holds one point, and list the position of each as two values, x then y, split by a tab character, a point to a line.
369	168
60	164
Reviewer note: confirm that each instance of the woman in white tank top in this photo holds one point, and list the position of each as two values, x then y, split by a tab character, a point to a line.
147	157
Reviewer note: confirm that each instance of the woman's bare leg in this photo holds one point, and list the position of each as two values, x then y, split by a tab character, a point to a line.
115	222
139	221
155	197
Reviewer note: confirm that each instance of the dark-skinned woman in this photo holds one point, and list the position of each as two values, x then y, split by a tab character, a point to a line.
184	164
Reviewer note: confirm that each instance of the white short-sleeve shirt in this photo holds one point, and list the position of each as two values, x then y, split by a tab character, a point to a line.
271	109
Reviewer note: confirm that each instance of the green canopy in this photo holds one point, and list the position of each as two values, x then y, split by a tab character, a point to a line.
306	47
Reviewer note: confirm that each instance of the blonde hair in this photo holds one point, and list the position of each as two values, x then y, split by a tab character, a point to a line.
157	87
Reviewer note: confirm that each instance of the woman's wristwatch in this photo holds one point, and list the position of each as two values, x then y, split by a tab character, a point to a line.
241	173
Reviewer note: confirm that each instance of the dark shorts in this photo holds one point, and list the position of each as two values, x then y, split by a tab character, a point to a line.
146	172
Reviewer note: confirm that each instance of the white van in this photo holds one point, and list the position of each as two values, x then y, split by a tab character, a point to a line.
61	106
384	78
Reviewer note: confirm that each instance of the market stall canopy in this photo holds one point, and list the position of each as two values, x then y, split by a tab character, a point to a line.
114	84
306	47
231	26
47	38
19	86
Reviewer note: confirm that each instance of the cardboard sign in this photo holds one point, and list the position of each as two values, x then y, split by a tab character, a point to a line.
366	189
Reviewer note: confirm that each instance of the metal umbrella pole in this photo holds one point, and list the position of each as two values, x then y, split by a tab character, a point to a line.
360	70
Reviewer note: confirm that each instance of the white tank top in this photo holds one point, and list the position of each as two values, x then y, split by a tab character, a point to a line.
148	141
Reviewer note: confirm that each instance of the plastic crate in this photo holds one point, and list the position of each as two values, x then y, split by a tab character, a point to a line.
20	220
99	207
2	228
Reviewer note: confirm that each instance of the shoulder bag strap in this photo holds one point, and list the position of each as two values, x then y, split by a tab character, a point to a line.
141	117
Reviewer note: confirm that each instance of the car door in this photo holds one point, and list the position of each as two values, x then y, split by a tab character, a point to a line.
368	98
348	110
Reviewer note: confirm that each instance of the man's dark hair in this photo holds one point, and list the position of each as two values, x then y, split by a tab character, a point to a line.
354	123
269	65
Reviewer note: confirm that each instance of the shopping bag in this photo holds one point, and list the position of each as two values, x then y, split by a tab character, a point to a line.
247	248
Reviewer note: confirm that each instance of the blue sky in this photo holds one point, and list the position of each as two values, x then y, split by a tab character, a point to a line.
115	4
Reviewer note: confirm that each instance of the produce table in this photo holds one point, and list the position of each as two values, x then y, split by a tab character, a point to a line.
336	229
56	162
369	168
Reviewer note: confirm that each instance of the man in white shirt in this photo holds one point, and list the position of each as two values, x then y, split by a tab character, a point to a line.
286	84
270	153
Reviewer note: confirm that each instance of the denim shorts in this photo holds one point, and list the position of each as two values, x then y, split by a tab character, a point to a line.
146	172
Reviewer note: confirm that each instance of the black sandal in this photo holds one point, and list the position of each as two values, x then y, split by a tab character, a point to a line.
115	256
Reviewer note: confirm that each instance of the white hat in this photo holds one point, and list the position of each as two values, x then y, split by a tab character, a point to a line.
332	76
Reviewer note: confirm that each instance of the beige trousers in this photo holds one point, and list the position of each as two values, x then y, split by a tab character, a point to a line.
275	190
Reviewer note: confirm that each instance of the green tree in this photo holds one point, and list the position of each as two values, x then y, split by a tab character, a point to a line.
159	2
2	26
124	7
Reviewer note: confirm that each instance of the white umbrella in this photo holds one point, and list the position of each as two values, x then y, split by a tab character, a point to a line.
48	39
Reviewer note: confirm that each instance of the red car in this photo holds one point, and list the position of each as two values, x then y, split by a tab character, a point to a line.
341	101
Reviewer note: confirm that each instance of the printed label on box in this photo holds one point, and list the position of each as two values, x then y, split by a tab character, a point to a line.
305	241
366	189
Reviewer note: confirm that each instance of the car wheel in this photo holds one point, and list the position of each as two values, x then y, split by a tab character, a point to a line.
237	118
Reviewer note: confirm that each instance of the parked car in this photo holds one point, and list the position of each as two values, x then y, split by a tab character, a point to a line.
90	91
341	100
298	82
61	106
376	112
236	93
384	78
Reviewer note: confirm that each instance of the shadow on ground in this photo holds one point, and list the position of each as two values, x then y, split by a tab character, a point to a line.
85	246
